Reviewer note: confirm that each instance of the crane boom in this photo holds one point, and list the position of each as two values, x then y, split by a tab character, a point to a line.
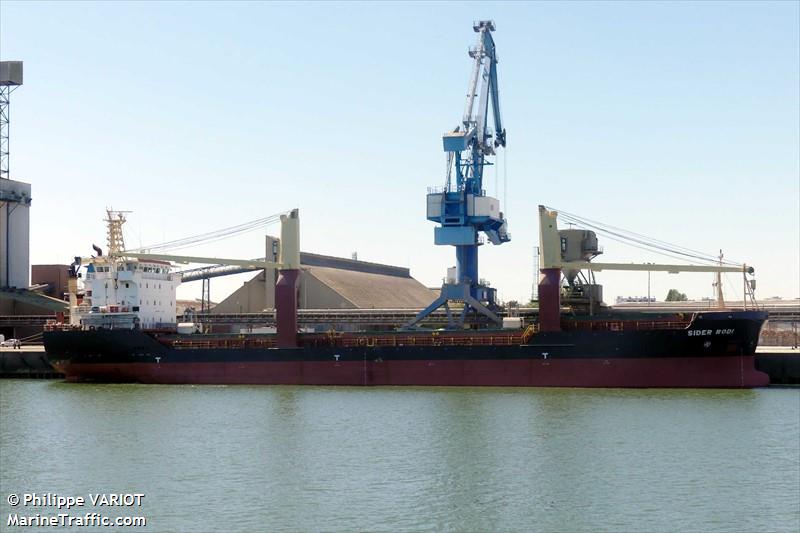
247	263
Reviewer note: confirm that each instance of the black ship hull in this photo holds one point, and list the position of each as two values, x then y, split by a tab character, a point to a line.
716	350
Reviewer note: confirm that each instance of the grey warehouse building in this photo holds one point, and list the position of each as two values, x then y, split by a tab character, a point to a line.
328	282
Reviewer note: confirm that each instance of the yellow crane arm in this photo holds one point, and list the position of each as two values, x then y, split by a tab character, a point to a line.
289	251
653	267
247	263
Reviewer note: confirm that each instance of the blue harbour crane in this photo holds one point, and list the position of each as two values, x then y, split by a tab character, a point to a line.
461	208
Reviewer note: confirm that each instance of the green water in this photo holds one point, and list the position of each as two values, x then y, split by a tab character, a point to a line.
408	459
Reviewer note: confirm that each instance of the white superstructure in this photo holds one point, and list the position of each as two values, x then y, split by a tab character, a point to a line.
125	293
133	289
122	292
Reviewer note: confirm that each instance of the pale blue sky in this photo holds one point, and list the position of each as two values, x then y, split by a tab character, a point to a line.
676	120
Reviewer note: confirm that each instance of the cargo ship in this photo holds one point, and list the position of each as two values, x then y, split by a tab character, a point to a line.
576	341
711	349
124	328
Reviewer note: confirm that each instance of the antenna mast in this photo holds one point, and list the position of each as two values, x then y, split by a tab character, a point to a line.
718	284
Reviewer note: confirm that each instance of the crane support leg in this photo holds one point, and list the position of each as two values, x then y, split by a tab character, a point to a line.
437	303
482	309
458	292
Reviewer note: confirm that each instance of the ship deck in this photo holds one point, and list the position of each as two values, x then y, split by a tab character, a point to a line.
485	337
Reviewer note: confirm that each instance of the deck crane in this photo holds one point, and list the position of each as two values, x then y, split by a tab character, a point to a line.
461	208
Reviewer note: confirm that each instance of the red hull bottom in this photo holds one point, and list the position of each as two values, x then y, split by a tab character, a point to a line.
663	372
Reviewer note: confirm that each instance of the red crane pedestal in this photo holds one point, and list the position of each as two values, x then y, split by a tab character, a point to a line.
286	307
550	299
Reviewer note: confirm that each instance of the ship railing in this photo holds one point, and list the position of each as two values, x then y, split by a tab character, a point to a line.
435	339
352	341
624	325
54	325
209	344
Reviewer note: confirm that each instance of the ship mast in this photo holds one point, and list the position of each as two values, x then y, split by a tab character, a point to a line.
115	220
114	238
718	284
